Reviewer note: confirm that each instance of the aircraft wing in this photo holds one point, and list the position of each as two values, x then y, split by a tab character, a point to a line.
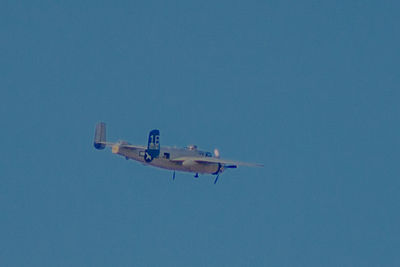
206	160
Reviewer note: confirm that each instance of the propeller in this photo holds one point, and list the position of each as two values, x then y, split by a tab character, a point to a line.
220	168
216	178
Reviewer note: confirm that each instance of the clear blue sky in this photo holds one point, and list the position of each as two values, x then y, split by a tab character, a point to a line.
310	89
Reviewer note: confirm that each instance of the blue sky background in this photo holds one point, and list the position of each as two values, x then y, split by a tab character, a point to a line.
309	88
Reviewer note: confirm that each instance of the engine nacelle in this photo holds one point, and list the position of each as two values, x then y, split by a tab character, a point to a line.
189	163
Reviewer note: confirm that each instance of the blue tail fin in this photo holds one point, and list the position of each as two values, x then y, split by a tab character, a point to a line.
153	146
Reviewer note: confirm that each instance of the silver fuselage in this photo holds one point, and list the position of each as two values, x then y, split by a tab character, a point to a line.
166	153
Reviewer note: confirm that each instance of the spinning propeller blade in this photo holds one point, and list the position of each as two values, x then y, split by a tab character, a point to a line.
216	179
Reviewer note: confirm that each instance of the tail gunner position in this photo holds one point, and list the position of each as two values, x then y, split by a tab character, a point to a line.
188	159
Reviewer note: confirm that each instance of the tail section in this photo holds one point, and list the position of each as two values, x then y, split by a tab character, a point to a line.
153	146
100	136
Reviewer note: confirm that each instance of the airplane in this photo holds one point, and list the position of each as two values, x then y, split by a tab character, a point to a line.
188	159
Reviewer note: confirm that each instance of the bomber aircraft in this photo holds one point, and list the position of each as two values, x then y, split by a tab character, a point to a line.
188	159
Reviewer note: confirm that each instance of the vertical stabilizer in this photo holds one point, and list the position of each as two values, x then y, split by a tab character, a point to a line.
100	136
153	146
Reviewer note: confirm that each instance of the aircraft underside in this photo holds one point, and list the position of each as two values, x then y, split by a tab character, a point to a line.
186	166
